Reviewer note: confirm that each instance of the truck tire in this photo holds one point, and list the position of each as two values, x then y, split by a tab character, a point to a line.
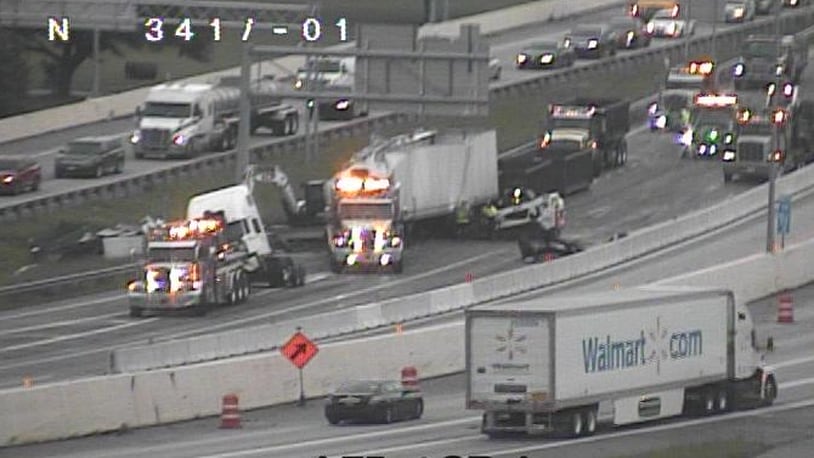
722	400
770	391
398	267
335	266
621	155
300	276
590	421
136	312
575	423
727	177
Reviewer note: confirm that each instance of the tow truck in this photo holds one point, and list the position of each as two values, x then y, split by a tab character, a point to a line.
190	264
713	125
680	88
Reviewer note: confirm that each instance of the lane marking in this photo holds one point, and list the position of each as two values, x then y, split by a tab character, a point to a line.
75	336
59	308
56	324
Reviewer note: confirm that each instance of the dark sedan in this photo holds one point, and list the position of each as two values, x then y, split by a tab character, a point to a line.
630	32
90	156
545	54
18	175
592	41
383	401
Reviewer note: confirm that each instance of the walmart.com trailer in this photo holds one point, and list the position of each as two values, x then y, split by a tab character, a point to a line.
545	365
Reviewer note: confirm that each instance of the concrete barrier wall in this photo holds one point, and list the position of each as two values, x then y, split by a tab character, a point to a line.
637	244
99	404
89	406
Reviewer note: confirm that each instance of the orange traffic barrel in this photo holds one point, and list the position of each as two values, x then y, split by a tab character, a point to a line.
409	377
785	308
230	415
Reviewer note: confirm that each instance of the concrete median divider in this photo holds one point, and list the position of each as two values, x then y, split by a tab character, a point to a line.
88	406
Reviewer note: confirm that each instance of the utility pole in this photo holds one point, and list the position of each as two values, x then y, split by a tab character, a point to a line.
686	33
772	215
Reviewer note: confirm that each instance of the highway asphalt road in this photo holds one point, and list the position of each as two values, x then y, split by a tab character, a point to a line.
72	338
506	46
448	428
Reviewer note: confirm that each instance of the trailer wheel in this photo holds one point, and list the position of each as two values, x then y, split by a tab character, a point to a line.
722	400
590	421
576	424
136	312
708	407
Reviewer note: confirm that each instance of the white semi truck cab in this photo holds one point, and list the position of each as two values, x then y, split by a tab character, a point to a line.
545	365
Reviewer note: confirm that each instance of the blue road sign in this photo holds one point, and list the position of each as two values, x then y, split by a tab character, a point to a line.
784	215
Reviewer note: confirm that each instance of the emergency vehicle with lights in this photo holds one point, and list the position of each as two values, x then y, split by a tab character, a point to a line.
185	120
645	9
760	61
190	264
397	183
600	123
713	125
548	365
681	86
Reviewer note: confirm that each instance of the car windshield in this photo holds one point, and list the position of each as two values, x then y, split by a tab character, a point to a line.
363	386
585	30
761	49
544	46
663	14
620	22
9	164
83	148
167	110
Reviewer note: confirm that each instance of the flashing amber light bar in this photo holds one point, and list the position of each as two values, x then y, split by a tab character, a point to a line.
700	68
722	100
191	229
569	111
352	184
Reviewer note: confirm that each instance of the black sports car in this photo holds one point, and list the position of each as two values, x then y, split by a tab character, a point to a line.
545	54
383	401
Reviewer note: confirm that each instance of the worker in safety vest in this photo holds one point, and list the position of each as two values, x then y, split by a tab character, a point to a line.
462	217
488	215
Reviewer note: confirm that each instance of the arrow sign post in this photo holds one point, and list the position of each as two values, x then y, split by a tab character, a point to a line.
783	218
299	350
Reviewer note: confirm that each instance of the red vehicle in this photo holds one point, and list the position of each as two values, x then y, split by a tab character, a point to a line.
18	175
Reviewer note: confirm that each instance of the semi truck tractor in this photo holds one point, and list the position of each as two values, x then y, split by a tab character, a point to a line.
546	365
185	120
764	59
390	187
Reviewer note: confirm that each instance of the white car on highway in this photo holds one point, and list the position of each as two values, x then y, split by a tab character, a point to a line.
665	25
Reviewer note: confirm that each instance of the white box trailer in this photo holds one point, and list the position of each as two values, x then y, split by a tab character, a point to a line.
434	179
545	365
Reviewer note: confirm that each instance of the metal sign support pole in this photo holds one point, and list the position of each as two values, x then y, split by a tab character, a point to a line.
96	63
243	126
301	401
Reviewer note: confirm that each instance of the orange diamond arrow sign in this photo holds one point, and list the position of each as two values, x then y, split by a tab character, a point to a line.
299	349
